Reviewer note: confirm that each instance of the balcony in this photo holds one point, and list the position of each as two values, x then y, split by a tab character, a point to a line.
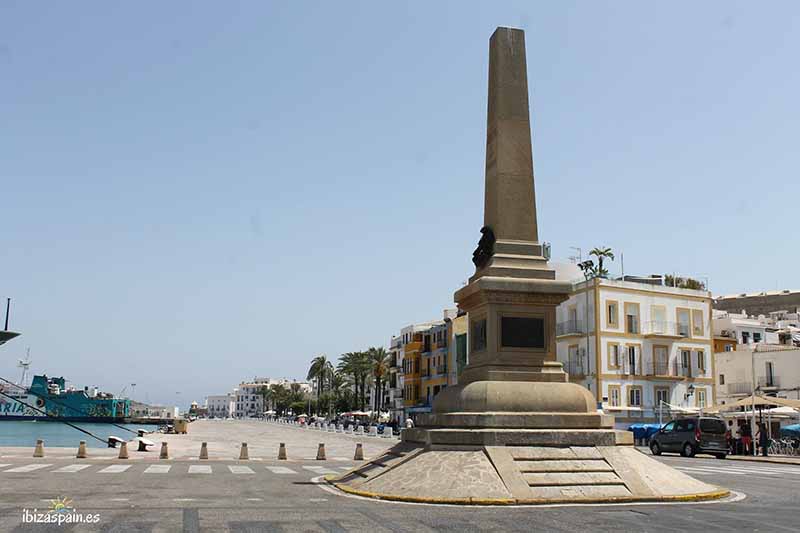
741	387
680	370
629	368
768	382
570	327
664	329
661	368
441	369
574	367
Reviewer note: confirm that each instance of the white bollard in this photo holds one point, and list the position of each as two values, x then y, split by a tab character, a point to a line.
340	429
331	428
360	430
349	430
387	432
373	431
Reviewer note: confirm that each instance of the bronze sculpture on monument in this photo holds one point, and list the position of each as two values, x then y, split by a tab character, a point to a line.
515	430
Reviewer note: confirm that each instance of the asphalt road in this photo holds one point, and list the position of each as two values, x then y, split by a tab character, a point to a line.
282	496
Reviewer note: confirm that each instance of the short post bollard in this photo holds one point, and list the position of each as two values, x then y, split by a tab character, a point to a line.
39	450
204	450
282	452
373	431
359	455
321	452
82	450
243	455
123	450
164	451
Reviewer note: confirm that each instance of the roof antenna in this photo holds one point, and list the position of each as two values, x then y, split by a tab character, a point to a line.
8	308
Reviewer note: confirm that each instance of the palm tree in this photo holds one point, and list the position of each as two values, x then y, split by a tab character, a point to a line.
349	368
601	253
319	370
378	358
266	396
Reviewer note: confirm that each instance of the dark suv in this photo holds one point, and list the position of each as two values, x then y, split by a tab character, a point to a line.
697	434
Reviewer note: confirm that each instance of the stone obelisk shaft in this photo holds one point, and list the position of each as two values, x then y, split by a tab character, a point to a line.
510	203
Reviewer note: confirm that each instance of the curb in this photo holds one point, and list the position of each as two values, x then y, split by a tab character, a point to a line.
769	460
699	497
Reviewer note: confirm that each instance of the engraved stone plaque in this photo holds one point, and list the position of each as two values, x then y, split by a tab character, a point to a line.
522	332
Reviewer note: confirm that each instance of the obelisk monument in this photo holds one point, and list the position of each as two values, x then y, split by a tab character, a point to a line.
514	430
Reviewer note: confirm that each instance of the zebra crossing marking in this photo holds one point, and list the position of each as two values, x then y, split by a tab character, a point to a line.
240	469
199	469
280	470
320	469
28	468
114	469
71	469
157	469
4	465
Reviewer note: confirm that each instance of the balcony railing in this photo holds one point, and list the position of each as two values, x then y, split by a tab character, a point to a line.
768	381
574	366
632	324
570	327
661	368
629	367
665	328
680	370
441	369
741	387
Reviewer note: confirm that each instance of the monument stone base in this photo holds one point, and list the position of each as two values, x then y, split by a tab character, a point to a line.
520	467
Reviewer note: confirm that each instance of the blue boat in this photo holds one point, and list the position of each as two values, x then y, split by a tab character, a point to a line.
50	399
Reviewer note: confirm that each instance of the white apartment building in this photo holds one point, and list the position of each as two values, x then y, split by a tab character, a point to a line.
777	372
250	403
743	329
221	405
649	347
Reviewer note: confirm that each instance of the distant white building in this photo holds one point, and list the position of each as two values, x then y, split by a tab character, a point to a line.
249	401
777	372
638	346
221	405
143	410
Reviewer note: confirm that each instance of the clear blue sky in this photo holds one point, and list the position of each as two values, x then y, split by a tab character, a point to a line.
196	193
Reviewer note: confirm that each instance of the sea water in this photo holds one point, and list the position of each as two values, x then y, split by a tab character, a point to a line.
25	433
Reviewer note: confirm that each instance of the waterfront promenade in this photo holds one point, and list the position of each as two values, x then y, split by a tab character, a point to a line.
224	439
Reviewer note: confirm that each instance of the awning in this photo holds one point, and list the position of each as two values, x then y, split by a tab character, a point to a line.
758	401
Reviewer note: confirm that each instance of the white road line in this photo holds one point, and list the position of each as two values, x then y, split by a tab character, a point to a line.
240	469
157	469
770	469
27	468
320	470
280	470
709	470
71	469
341	458
7	464
199	469
114	469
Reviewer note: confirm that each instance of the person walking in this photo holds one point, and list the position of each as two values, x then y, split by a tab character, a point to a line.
763	438
729	438
747	438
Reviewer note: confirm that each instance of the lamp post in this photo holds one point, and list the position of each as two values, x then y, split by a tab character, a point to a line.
587	267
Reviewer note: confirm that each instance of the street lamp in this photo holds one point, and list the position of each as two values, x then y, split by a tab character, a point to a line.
587	267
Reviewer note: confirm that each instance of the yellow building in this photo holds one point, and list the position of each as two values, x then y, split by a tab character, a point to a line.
411	370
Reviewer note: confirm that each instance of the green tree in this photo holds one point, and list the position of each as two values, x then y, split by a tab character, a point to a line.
683	283
319	372
602	253
266	396
380	368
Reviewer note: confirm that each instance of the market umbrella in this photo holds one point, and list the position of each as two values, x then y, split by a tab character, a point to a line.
792	431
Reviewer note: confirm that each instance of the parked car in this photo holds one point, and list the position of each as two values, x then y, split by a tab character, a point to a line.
688	436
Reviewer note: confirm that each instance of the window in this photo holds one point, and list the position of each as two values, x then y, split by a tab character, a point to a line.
658	316
700	394
635	396
686	357
729	347
612	314
722	379
683	322
770	369
660	360
613	395
756	337
745	337
701	361
662	397
613	355
697	322
631	317
669	427
631	364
